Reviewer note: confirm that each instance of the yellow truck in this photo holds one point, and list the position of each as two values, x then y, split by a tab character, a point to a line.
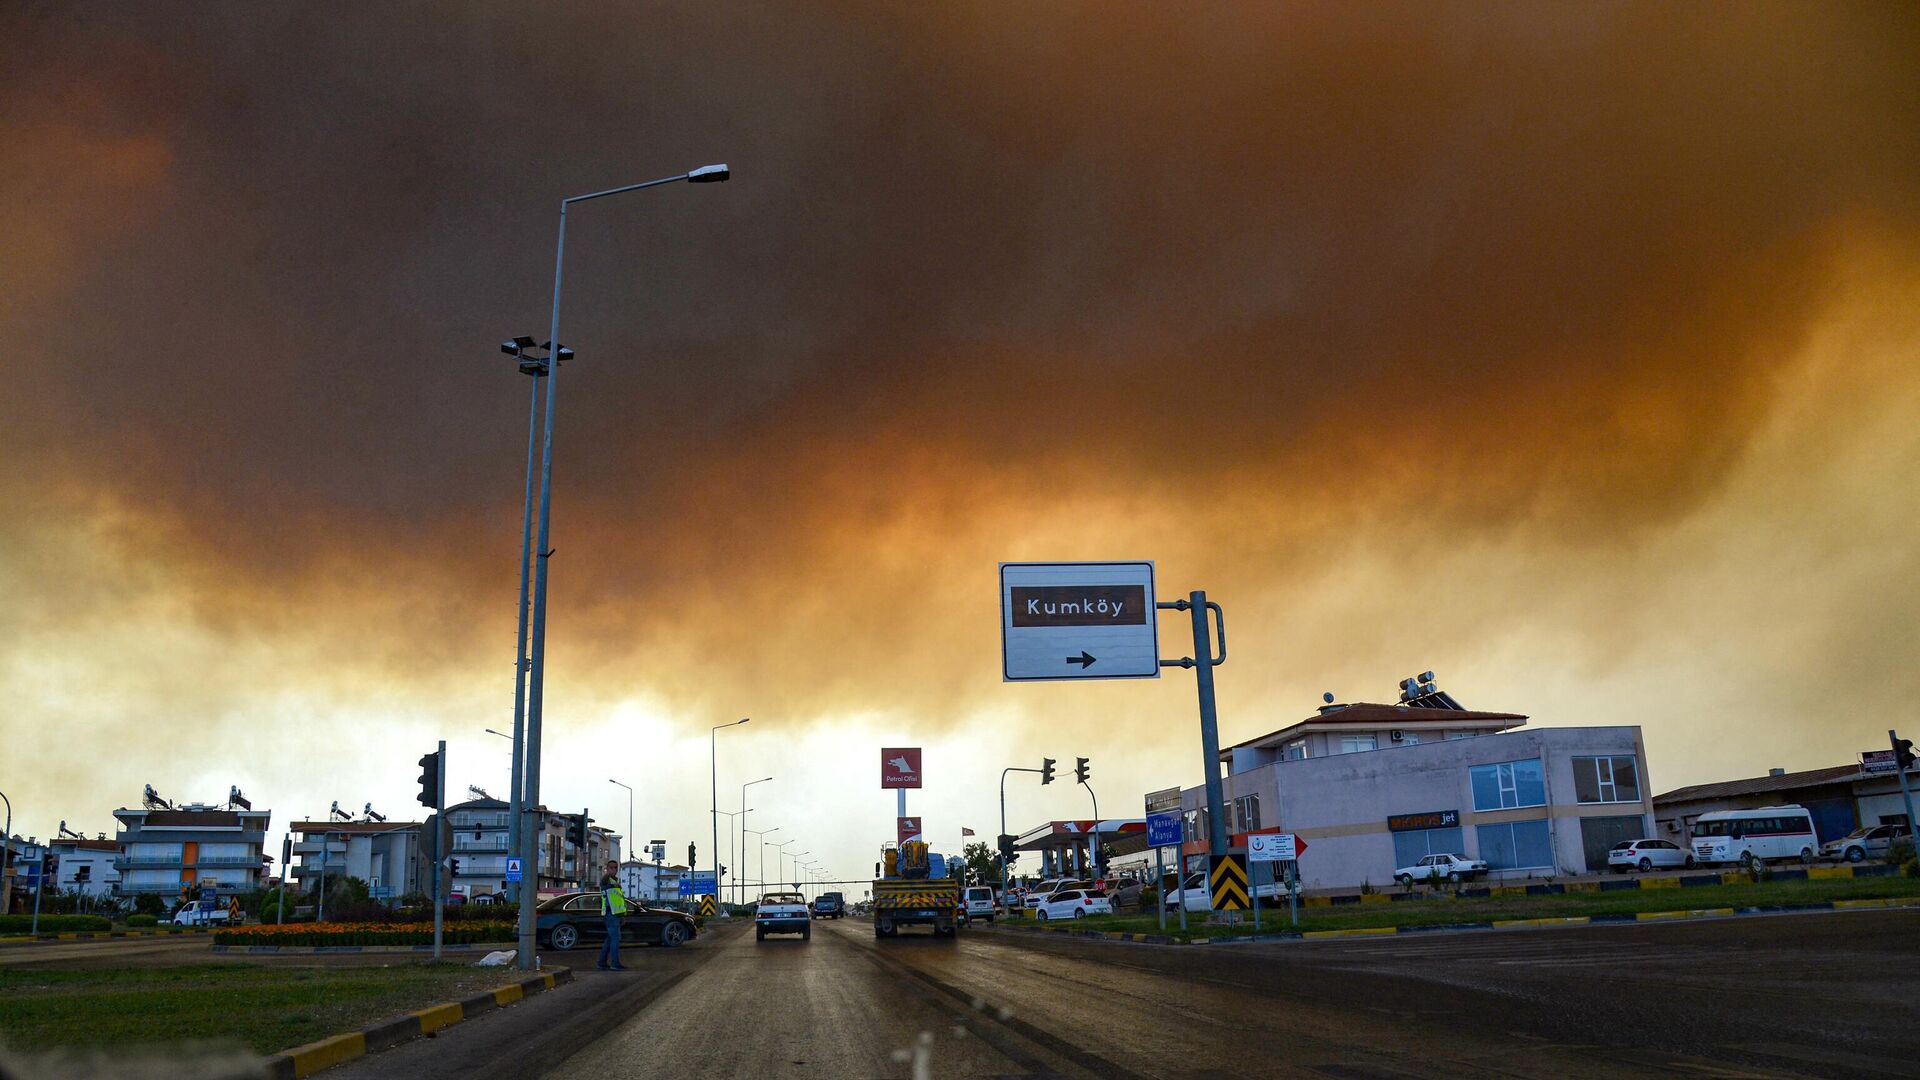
907	895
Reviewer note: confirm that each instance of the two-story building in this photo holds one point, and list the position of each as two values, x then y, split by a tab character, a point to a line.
1374	787
86	866
387	855
194	848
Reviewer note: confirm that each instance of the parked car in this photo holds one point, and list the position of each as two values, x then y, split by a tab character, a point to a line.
830	905
1194	893
1647	854
570	920
1870	842
978	902
782	913
1072	904
1448	867
1044	889
202	913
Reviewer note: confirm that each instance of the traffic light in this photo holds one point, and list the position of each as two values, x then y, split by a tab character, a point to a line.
577	829
83	873
691	861
1903	753
50	867
1080	770
453	867
1046	770
1006	846
430	780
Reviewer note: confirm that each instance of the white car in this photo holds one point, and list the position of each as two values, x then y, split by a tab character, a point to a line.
1047	888
1448	867
1072	904
1873	841
1647	854
1194	894
978	903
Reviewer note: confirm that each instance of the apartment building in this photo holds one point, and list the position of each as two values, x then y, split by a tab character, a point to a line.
192	848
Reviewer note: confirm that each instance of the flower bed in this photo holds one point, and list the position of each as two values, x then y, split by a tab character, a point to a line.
363	933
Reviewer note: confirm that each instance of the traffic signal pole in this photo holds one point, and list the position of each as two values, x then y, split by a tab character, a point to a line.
1906	794
439	827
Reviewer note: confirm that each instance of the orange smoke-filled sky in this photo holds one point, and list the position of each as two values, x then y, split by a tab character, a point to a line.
1567	351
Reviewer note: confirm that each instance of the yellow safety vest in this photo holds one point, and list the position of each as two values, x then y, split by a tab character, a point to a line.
612	900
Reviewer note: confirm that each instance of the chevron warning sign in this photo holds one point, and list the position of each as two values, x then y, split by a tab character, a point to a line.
706	907
1228	879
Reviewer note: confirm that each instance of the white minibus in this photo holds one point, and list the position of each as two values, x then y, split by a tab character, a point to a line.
1751	837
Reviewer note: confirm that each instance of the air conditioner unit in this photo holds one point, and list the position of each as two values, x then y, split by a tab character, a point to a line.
1395	735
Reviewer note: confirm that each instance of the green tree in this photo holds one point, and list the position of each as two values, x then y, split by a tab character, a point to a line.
983	866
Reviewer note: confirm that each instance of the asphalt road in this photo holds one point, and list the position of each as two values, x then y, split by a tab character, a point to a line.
1818	995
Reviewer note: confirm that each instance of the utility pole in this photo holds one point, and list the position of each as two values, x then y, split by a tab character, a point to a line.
1902	759
439	826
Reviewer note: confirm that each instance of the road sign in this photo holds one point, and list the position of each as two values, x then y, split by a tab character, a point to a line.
513	868
908	828
1163	829
1091	620
1228	882
706	905
899	767
703	882
686	887
659	850
1878	761
1273	847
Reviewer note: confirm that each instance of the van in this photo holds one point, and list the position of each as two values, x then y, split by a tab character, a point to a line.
978	902
1752	837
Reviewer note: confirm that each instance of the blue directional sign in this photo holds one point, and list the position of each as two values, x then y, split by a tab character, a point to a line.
513	869
1163	829
703	883
686	887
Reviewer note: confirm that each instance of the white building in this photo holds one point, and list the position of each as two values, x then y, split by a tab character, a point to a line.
1372	787
387	855
650	884
86	866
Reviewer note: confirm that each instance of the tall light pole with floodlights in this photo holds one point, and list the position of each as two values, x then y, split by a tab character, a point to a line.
713	764
617	783
534	667
760	841
732	864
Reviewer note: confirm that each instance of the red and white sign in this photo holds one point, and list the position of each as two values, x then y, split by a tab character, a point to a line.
908	828
1274	847
900	767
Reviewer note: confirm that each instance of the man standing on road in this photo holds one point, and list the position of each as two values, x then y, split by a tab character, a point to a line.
613	904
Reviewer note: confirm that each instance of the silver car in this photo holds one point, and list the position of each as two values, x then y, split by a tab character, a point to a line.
1867	843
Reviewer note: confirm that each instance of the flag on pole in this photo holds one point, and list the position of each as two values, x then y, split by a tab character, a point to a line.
964	831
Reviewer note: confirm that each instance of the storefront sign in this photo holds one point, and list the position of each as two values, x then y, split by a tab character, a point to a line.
1432	819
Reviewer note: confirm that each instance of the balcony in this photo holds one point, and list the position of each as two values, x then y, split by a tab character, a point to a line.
124	862
228	860
482	847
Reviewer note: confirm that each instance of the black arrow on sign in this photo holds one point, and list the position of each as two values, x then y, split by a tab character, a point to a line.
1084	660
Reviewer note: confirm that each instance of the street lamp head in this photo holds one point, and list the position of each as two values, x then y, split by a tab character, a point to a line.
708	174
511	348
565	354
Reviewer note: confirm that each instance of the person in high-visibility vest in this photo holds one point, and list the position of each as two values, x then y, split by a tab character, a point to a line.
613	904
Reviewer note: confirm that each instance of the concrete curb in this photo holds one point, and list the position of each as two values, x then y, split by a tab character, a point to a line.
83	935
1496	924
323	950
304	1061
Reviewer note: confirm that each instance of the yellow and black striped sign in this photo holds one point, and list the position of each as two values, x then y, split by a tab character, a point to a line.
706	907
1229	883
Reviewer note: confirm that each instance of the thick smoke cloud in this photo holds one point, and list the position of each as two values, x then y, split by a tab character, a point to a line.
1295	299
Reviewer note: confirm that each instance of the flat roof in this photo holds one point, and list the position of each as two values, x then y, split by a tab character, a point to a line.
1376	715
1756	785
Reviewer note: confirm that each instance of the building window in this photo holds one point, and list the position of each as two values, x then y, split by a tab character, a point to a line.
1412	846
1455	735
1354	744
1246	813
1606	779
1508	785
1295	751
1518	845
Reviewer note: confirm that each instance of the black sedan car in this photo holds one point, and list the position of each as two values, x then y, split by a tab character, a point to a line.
571	920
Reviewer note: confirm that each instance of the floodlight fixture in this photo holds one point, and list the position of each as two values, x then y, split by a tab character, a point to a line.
709	174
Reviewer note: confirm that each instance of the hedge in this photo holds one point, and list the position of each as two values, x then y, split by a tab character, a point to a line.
143	920
53	924
341	933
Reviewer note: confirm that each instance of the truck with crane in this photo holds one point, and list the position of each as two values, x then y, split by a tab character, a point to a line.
914	890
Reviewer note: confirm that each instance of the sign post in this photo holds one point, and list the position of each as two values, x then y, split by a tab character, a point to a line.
1281	851
1163	832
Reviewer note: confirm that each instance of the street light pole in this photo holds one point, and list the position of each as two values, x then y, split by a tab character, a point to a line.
6	857
737	895
537	657
516	805
761	843
713	764
617	783
1096	829
732	858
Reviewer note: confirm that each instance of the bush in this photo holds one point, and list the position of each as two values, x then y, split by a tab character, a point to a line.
344	933
143	919
1911	868
149	904
51	924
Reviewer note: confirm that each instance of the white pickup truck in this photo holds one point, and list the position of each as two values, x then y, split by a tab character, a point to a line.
202	913
1193	893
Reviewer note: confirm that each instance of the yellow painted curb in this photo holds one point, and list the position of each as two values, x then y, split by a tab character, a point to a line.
550	979
1649	916
1583	886
1734	877
1367	931
1113	935
327	1053
507	995
432	1020
1828	873
1565	920
1317	901
1375	898
1888	902
1660	883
